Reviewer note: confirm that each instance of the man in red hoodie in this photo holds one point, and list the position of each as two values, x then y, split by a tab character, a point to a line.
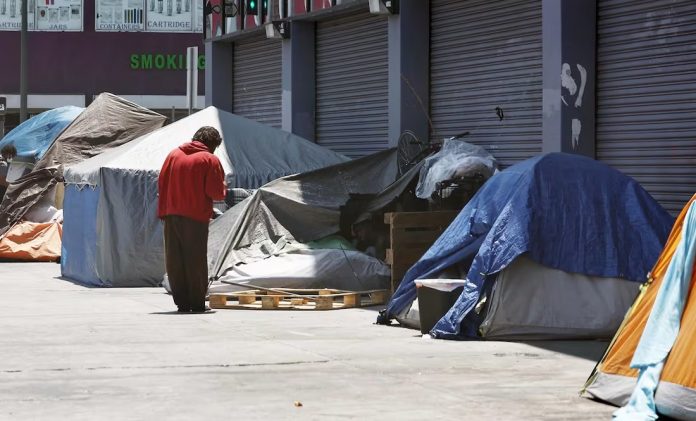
190	180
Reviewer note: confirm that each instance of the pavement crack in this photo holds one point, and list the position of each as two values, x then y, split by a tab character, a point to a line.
168	367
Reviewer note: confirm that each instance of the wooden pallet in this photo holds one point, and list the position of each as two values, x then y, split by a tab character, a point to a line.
411	235
297	299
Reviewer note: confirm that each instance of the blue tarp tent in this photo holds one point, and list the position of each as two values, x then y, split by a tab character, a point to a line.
562	211
33	137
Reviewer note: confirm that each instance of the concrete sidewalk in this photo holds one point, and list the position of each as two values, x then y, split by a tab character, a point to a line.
70	352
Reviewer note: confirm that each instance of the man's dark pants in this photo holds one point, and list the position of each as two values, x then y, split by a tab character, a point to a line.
185	249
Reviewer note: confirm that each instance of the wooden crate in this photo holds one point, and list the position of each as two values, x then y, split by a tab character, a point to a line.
411	235
296	299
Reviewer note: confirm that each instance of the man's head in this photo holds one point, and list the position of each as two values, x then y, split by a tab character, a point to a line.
8	152
209	136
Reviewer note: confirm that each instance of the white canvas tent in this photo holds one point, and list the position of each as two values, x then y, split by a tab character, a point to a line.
112	234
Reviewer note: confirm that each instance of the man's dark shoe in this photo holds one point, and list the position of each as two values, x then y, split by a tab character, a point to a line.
203	310
183	310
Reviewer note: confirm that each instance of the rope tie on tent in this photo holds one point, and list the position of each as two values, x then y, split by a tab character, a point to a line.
355	275
662	327
81	186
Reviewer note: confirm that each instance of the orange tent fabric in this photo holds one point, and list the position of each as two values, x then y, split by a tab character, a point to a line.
613	378
32	241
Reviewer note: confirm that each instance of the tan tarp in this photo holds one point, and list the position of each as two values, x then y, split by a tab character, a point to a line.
108	122
31	241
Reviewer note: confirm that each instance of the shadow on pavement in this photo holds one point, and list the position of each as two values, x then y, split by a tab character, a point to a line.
589	350
79	284
176	313
376	308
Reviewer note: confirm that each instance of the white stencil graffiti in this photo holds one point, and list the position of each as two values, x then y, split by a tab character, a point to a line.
583	81
575	132
567	80
571	86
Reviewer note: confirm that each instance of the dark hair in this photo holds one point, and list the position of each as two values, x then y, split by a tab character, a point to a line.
8	151
209	136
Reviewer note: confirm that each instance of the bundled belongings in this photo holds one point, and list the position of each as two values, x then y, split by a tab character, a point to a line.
450	177
108	122
112	234
650	365
553	247
291	233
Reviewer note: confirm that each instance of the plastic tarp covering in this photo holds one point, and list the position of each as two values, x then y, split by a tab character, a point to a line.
311	269
253	153
130	243
32	241
79	251
108	122
554	208
533	302
33	137
26	192
455	159
302	208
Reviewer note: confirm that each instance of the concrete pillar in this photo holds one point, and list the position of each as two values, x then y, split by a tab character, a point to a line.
218	75
298	80
569	48
409	70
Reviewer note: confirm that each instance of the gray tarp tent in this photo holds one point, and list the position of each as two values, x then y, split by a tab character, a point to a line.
266	240
108	122
112	235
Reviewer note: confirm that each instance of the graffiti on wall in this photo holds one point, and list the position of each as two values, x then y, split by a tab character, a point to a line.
572	90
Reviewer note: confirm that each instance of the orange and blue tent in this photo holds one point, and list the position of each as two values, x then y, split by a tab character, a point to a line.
650	366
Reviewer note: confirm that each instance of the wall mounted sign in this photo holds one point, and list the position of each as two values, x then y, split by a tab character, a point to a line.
169	15
120	15
59	15
11	15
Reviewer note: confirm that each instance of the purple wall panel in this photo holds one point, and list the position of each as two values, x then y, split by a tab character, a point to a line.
93	62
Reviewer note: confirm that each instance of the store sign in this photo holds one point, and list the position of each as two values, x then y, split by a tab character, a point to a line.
162	62
11	15
120	15
170	15
59	15
178	16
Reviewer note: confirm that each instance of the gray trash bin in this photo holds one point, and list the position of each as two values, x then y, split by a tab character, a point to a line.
435	298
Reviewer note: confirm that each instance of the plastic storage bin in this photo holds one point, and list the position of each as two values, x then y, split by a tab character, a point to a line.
435	298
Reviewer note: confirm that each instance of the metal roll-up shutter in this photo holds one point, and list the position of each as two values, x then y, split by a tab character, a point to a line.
351	84
646	94
257	80
485	55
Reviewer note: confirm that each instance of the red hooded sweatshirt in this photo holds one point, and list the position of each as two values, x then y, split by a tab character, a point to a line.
190	179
